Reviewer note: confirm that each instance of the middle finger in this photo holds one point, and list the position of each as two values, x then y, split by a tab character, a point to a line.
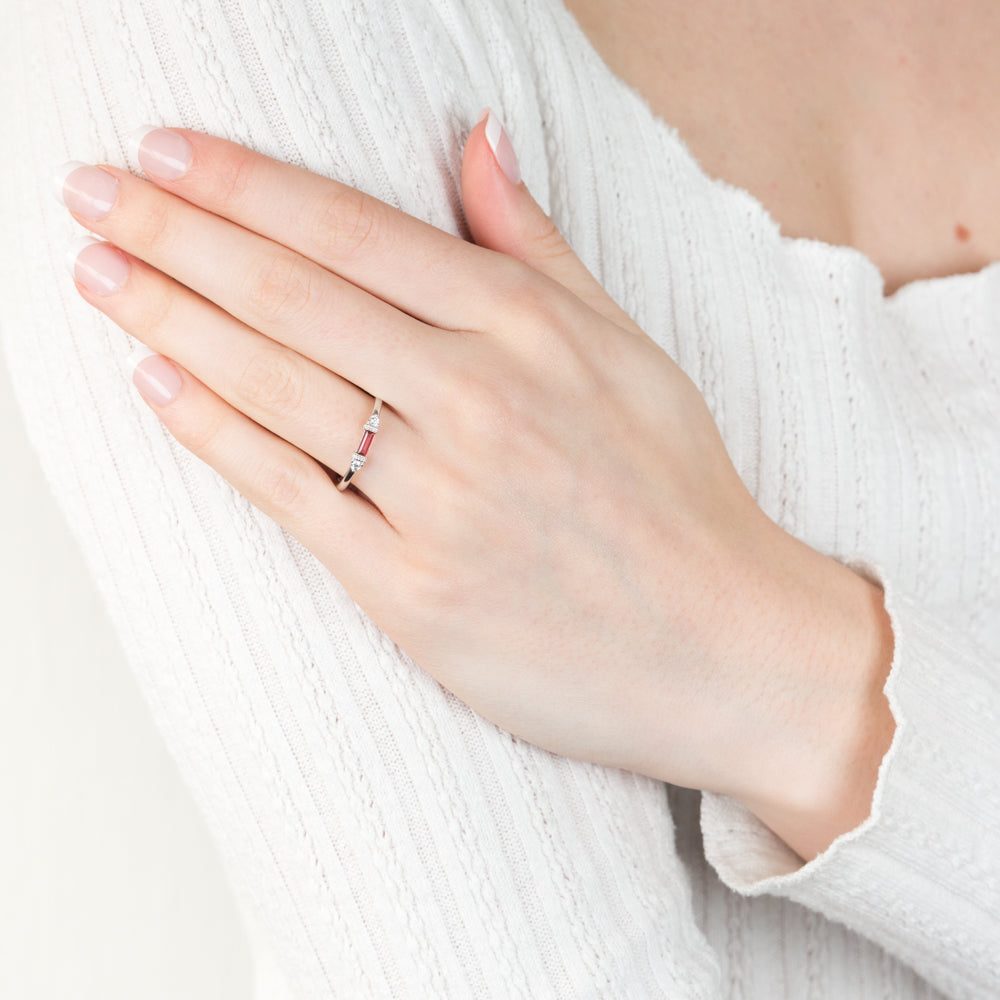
272	289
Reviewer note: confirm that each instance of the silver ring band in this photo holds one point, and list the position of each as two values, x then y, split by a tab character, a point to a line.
360	456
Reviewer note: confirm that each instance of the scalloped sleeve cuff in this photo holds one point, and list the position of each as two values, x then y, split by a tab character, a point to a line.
921	875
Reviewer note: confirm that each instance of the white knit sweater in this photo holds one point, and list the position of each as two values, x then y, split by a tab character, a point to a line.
383	840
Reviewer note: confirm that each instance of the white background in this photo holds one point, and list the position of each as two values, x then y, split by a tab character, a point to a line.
109	885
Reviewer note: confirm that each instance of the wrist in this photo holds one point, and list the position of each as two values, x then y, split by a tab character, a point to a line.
809	755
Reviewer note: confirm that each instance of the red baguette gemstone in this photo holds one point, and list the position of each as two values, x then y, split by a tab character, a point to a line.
366	443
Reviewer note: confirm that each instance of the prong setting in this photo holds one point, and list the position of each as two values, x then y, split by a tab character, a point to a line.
360	456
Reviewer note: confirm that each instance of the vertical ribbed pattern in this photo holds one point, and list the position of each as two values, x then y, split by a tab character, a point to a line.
384	841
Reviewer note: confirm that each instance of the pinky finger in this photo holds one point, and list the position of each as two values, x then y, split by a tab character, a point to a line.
281	480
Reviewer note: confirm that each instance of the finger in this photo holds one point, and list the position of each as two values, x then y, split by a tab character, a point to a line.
303	403
503	216
423	271
271	288
274	476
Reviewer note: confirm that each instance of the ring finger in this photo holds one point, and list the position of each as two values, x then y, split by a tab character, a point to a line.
299	400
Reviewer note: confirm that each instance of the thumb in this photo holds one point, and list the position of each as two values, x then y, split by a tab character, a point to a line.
503	216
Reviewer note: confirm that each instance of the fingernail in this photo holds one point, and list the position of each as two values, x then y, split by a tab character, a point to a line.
503	151
85	190
99	267
153	375
160	152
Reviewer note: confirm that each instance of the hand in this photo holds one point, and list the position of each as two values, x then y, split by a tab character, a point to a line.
548	521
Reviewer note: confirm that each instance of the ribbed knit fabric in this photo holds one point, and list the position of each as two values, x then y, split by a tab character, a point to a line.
383	840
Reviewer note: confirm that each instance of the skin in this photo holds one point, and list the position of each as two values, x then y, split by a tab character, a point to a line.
867	125
654	620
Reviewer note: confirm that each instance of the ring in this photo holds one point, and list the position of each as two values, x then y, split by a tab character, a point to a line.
360	456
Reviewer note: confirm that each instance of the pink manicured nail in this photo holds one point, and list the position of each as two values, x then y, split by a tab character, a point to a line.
99	267
502	149
85	190
154	376
160	152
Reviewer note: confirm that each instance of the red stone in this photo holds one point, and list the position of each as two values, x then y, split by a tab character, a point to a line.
366	443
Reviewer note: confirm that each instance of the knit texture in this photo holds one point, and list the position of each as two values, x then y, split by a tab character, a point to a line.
384	841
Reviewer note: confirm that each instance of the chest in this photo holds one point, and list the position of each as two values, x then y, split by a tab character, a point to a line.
847	134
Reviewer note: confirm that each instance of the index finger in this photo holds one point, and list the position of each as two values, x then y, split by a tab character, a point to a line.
420	269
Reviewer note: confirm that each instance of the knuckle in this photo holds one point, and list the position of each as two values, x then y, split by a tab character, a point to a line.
533	303
549	243
428	590
202	434
436	575
348	221
511	280
279	286
282	486
154	224
271	382
546	302
150	315
485	417
230	177
553	333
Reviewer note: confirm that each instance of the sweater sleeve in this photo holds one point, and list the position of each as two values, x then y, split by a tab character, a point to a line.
382	840
921	875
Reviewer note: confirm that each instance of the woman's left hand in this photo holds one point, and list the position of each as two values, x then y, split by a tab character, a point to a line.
547	522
